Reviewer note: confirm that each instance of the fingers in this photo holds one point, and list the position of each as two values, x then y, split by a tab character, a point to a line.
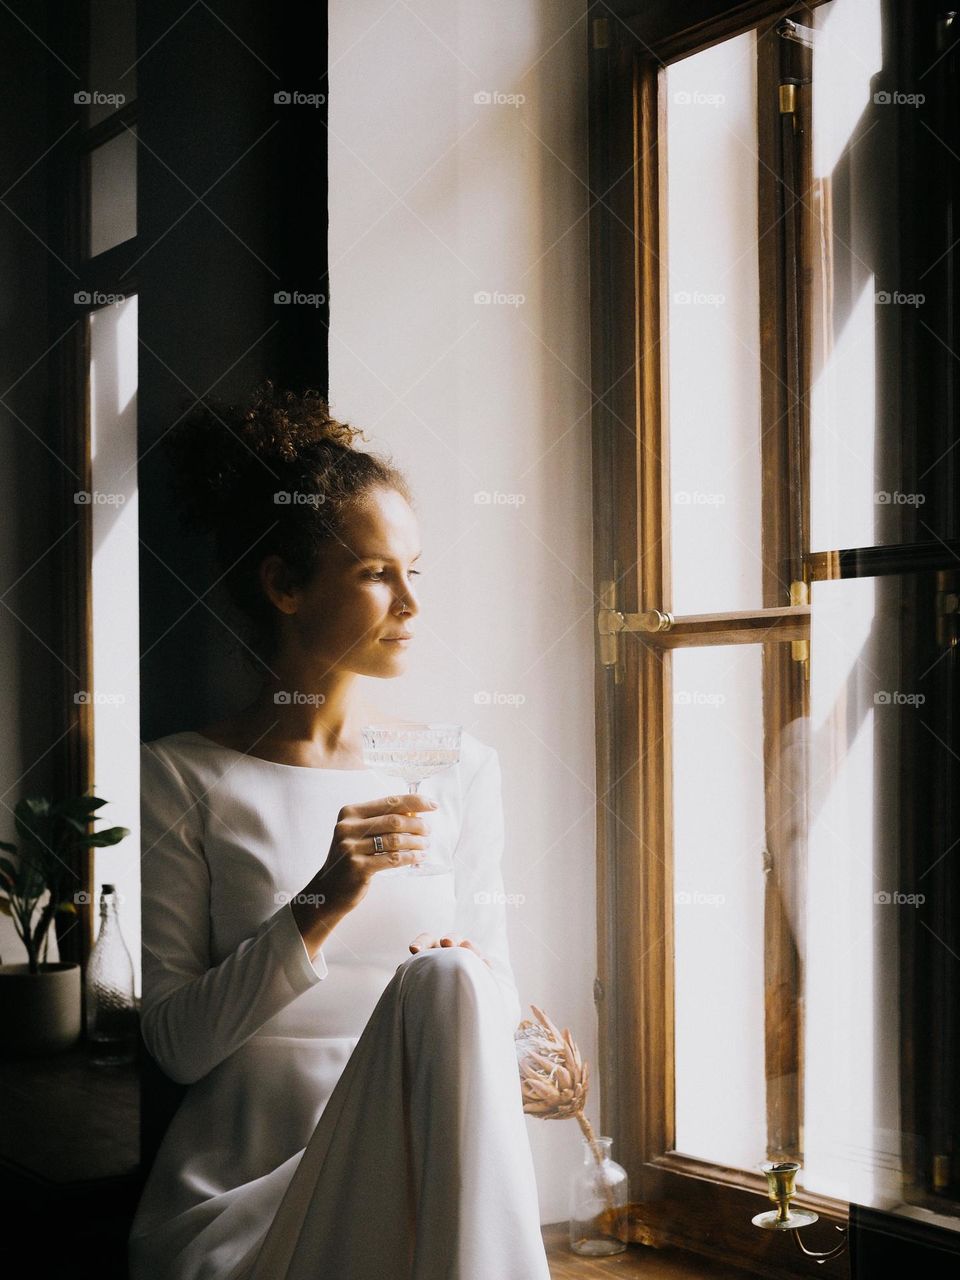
404	856
424	941
401	833
411	802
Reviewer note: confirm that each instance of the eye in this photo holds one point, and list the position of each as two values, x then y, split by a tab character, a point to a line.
379	574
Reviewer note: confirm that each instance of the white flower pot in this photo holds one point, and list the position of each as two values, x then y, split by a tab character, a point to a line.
39	1012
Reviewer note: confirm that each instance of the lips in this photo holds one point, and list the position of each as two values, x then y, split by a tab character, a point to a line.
392	638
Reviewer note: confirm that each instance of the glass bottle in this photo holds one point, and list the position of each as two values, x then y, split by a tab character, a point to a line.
598	1201
112	1015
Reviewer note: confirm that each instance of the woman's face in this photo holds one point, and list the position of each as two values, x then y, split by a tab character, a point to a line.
345	617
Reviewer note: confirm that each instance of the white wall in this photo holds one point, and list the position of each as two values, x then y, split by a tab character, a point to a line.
435	197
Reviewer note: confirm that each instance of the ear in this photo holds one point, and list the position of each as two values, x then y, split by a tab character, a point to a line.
278	583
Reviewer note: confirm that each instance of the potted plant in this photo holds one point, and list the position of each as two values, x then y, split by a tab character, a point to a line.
40	1009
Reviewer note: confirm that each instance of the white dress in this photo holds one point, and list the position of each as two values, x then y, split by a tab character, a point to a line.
420	1167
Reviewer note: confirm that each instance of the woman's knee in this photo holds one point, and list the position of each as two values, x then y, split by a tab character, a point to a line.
446	967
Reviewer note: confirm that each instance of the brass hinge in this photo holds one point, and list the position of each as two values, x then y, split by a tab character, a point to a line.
800	649
610	622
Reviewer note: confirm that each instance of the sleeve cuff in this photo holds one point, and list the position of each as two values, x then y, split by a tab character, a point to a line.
291	949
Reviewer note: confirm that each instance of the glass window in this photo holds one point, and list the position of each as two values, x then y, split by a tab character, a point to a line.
115	604
113	192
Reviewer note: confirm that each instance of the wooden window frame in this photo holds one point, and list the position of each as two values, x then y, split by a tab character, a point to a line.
110	272
690	1202
693	1203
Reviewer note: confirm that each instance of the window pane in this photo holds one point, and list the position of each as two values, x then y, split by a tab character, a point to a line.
113	74
113	192
712	405
718	881
860	298
852	1044
115	605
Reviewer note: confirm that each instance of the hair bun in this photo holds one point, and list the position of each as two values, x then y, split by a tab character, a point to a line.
222	454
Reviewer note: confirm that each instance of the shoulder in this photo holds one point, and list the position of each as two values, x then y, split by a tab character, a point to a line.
478	760
176	762
170	748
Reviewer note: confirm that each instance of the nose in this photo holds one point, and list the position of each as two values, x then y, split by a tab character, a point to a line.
408	600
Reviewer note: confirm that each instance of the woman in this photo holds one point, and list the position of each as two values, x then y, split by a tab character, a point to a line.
354	1107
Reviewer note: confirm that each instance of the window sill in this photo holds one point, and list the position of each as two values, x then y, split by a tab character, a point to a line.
636	1260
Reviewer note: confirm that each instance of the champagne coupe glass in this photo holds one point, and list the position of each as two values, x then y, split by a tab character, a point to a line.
413	751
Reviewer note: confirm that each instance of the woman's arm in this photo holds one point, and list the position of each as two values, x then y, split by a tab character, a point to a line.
480	913
192	1014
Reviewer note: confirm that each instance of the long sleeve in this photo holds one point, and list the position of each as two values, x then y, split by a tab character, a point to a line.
480	910
194	1015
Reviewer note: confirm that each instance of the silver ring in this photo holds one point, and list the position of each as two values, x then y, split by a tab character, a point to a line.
378	844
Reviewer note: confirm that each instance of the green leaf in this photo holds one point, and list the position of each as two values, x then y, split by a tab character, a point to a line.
31	882
67	906
78	824
113	835
5	906
80	806
31	818
37	805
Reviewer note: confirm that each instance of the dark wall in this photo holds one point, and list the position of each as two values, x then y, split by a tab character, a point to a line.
30	464
232	209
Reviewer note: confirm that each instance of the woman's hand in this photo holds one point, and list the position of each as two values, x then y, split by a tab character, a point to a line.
424	941
343	880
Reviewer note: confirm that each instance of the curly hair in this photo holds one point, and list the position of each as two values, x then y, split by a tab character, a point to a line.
276	474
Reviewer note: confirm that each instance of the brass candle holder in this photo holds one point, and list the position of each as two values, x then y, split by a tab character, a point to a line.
781	1178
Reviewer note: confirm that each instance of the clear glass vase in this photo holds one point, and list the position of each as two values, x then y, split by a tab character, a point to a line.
112	1014
599	1193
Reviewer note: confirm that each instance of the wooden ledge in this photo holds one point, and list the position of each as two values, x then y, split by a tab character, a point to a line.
636	1260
